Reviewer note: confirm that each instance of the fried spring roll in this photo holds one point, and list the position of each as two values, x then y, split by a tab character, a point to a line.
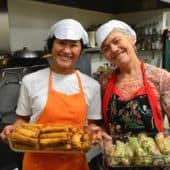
58	147
33	133
85	137
76	139
48	129
60	135
32	126
52	141
85	146
21	147
24	139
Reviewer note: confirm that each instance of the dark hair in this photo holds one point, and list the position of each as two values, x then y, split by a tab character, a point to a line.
50	41
165	36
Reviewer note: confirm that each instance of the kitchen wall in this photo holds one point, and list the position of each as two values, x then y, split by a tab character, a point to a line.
29	21
4	30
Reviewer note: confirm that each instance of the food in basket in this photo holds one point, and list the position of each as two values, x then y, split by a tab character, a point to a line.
163	143
140	150
148	144
37	137
26	136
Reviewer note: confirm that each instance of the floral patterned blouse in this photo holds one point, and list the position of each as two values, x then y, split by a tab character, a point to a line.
159	80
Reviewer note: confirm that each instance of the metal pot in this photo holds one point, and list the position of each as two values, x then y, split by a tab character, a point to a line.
25	58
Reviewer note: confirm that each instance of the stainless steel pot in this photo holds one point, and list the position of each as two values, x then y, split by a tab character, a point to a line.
25	58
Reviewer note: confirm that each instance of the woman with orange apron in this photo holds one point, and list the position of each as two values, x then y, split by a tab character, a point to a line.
64	114
59	95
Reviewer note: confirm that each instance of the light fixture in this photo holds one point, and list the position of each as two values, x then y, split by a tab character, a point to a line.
167	1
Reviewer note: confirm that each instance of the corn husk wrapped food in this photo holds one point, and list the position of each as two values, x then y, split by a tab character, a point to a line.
140	150
163	143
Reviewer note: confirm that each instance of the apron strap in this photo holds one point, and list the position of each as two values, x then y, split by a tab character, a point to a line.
107	94
153	102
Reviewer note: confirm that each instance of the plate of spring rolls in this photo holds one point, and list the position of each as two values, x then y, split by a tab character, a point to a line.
140	150
49	138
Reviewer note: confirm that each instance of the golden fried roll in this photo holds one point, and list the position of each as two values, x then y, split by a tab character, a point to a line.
18	138
48	129
85	146
85	137
81	131
21	147
28	132
72	129
63	147
52	141
32	126
61	135
76	140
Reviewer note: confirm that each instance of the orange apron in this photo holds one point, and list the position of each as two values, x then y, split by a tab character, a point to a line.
60	109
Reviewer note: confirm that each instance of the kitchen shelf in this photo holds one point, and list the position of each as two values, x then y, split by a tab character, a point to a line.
92	50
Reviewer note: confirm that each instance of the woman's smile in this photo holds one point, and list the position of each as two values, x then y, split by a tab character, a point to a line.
119	55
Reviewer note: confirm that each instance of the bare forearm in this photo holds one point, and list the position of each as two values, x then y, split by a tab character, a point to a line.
21	119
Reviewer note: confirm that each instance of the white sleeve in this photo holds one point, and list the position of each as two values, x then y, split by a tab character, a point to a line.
94	109
24	107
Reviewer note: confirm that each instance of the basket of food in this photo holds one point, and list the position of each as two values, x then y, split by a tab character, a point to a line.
141	150
48	138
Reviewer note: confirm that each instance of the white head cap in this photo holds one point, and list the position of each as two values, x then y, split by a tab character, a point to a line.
104	30
69	29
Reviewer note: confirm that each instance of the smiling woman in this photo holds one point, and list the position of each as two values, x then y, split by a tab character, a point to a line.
132	82
59	95
136	95
65	53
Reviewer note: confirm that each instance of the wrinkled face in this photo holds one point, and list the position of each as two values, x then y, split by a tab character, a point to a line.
65	53
118	48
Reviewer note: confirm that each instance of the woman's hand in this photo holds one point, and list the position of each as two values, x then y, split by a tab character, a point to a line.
6	132
10	128
98	135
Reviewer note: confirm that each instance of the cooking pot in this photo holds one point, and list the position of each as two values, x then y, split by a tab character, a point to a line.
25	58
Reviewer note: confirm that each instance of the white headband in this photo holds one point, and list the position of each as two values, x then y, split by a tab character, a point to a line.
104	30
69	29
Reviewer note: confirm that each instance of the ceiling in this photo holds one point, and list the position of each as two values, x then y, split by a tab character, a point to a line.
112	6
